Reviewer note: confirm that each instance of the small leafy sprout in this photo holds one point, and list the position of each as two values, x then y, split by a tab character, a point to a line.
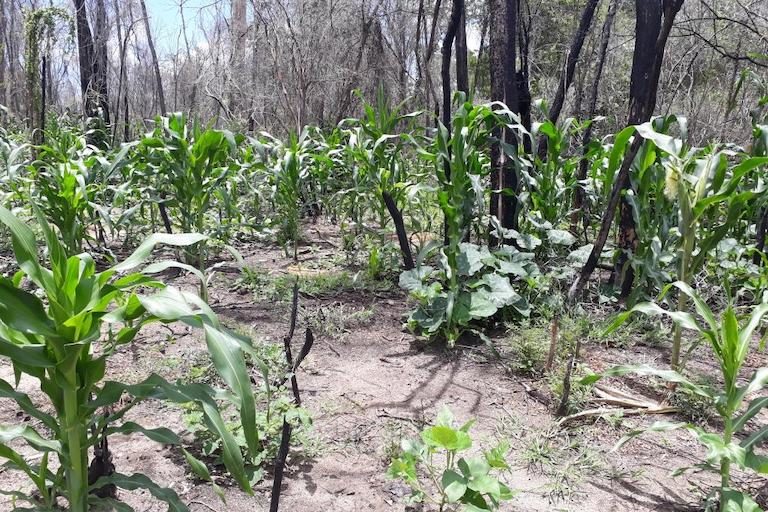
436	473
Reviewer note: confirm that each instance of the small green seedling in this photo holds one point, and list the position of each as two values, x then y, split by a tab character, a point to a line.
436	473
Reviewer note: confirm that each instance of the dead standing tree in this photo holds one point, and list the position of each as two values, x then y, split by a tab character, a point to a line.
93	69
654	21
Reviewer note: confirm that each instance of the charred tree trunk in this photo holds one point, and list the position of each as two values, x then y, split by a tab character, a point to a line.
462	69
579	198
445	69
573	58
87	61
509	180
496	48
654	23
402	236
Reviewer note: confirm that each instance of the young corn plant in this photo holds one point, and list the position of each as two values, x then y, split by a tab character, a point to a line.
470	282
290	174
190	167
468	483
730	341
59	324
703	186
375	150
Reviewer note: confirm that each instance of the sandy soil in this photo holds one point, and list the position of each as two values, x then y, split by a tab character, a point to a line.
378	384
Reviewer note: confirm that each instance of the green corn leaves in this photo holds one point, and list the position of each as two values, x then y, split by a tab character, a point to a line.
52	339
730	340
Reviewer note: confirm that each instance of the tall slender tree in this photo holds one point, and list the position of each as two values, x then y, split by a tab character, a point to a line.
93	83
573	58
155	61
654	21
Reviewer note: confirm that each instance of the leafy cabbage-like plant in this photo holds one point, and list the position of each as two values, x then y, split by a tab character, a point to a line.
59	324
466	481
479	285
730	342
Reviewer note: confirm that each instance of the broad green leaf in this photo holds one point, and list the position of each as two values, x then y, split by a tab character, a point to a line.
446	438
412	280
228	360
454	485
560	237
481	303
24	246
735	501
30	435
23	311
469	260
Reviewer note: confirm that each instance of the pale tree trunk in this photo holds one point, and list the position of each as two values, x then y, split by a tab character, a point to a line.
3	52
239	28
155	62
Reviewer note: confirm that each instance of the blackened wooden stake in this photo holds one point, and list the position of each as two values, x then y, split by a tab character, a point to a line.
285	440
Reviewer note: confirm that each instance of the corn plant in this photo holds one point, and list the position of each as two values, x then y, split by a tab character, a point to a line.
59	325
290	176
550	182
703	185
470	283
381	174
467	482
13	160
190	166
730	341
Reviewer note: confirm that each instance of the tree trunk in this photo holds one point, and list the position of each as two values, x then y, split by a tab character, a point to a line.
402	236
87	60
496	48
3	53
579	198
509	179
239	29
445	70
155	62
651	32
462	69
100	62
480	54
573	58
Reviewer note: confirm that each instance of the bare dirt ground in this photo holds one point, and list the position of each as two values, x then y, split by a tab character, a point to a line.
374	384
